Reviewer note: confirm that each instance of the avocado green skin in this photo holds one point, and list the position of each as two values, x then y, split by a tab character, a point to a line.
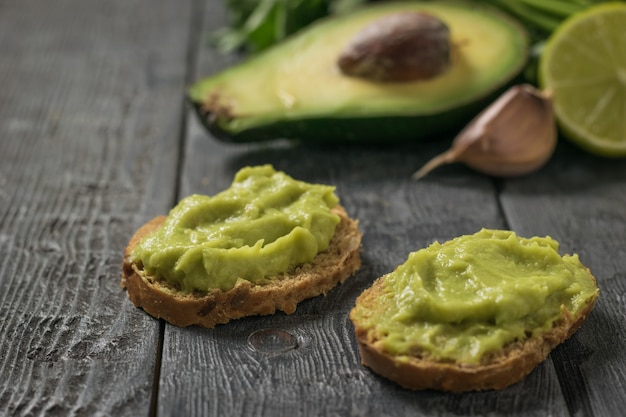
346	130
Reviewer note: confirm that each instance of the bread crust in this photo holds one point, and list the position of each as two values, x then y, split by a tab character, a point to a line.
283	293
495	371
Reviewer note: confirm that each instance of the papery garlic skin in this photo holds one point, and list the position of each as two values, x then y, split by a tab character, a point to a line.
514	136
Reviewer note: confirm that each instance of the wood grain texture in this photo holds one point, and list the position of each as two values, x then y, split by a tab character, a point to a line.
91	115
580	200
219	372
90	111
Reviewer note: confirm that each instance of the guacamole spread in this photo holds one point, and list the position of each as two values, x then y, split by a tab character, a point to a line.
472	295
263	225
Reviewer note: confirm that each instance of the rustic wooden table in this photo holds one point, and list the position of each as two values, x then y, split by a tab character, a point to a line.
95	139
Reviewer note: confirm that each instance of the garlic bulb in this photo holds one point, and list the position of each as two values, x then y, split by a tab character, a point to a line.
514	136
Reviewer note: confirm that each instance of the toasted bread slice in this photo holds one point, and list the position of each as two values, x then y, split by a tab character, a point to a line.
284	292
495	371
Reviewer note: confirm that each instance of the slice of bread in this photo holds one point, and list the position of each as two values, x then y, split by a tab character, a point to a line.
284	292
495	371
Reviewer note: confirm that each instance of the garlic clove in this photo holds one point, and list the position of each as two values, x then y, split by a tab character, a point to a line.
514	136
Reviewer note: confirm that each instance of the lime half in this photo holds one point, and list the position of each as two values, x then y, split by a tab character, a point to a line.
584	65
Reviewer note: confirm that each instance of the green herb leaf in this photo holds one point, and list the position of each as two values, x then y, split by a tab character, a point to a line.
257	25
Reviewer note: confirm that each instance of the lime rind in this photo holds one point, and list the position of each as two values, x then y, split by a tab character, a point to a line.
584	65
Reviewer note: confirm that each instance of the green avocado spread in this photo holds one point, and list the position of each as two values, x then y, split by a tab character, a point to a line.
265	224
472	295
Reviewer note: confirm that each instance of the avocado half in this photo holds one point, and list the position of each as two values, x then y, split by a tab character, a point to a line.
296	91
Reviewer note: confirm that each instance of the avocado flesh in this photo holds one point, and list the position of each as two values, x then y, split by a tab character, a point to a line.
296	91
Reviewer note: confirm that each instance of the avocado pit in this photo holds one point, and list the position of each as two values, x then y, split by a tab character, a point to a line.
399	47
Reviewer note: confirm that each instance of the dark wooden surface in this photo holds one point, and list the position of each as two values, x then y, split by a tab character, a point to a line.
95	139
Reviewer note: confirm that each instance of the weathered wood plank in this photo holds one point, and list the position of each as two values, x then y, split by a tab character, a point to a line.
225	372
90	111
580	200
